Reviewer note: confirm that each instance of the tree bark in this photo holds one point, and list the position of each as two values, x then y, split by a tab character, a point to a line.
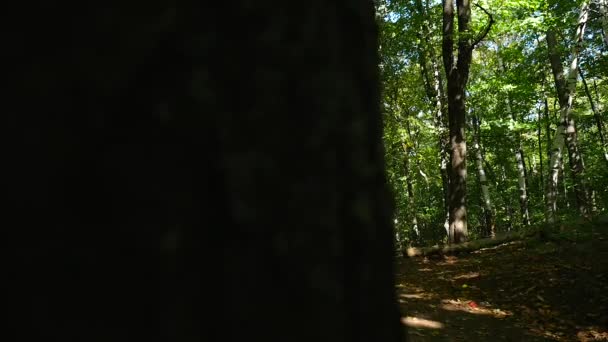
566	132
523	189
596	115
485	191
436	93
247	164
508	207
410	191
457	72
548	128
540	147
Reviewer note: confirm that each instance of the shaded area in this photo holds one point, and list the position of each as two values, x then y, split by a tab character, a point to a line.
532	290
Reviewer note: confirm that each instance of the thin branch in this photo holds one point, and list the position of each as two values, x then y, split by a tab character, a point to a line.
486	30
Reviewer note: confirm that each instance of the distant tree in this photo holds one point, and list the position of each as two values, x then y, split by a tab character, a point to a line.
565	85
489	212
435	90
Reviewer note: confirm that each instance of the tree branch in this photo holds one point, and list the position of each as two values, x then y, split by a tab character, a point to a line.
486	30
448	35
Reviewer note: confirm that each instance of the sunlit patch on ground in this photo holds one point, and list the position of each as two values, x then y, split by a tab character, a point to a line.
410	288
589	335
448	260
420	295
468	275
412	295
502	245
473	308
416	322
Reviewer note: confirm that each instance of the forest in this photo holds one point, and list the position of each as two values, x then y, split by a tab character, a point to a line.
346	170
495	135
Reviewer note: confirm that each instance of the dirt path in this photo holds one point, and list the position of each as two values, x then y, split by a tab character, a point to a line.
532	291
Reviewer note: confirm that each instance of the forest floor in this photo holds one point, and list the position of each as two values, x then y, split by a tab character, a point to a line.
533	290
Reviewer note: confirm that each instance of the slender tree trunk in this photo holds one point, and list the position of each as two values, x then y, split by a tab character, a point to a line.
597	116
531	167
562	175
548	129
594	201
407	149
553	200
410	190
540	150
508	206
566	132
577	168
398	240
483	181
436	93
519	161
522	182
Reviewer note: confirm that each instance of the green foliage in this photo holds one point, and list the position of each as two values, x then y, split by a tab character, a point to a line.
510	70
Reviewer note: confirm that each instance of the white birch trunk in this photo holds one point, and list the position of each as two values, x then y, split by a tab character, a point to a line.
521	171
563	127
483	180
440	123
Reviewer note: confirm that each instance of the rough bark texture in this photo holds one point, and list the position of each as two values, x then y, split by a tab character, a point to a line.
250	159
457	71
457	74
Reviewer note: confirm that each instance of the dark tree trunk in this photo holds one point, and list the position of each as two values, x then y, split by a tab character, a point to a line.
457	75
248	164
559	78
540	147
457	71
